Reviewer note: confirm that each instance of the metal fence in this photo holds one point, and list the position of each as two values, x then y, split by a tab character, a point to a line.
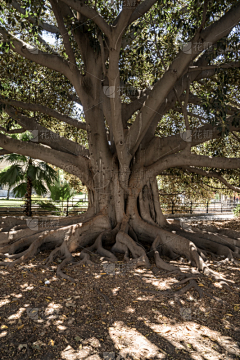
76	206
199	207
44	206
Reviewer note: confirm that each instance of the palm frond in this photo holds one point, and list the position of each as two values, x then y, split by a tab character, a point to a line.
20	190
11	175
15	158
39	187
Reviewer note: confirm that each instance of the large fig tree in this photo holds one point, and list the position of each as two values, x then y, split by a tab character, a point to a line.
117	93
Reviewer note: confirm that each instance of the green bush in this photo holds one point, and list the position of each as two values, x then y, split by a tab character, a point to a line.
236	210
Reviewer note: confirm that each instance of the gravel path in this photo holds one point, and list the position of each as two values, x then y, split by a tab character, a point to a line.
208	217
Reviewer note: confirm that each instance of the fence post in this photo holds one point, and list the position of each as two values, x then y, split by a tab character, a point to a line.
67	208
172	207
207	207
191	208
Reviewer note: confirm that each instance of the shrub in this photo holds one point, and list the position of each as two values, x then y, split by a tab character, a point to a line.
236	210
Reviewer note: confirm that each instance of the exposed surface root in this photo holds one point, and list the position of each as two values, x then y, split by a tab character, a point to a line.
170	243
14	256
101	251
68	258
31	251
64	240
124	244
85	259
64	251
9	222
17	246
192	284
233	244
127	236
232	234
97	246
202	242
54	237
159	262
13	229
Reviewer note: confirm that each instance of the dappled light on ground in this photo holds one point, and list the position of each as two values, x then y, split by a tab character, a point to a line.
133	314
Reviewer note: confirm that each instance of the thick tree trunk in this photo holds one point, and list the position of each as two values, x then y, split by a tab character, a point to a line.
123	214
109	196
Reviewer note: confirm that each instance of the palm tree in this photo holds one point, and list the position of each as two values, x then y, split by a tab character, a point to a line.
26	174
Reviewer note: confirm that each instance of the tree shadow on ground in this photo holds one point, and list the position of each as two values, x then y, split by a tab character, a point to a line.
113	315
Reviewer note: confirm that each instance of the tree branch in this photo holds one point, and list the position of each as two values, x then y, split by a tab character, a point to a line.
48	60
91	14
141	9
15	131
180	86
161	147
103	55
184	106
57	12
67	162
212	174
210	67
114	82
4	152
205	5
161	89
179	160
47	27
45	110
47	137
122	23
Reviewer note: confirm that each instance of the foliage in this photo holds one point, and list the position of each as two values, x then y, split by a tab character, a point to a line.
16	175
236	210
75	183
59	192
48	206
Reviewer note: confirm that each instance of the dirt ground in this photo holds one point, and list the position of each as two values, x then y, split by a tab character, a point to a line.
117	312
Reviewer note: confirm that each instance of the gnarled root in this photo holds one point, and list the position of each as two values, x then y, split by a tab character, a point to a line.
85	259
71	242
67	259
124	244
93	235
67	239
97	246
109	236
205	244
171	244
13	229
192	284
64	253
31	251
159	262
101	251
